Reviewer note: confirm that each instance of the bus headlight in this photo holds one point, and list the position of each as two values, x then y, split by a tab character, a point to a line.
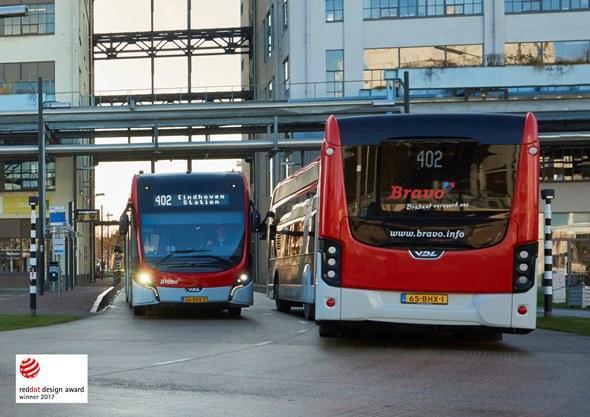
240	282
144	279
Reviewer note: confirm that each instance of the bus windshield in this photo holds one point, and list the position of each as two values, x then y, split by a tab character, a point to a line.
430	192
192	231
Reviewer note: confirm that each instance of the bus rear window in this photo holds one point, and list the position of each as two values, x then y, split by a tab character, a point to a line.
436	192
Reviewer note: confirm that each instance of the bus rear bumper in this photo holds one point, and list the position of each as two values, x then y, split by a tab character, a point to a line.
486	310
241	297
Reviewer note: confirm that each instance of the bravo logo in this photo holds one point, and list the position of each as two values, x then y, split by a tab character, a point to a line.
29	368
398	192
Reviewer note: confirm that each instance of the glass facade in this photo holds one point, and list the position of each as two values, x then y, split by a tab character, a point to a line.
14	245
387	9
565	162
335	73
39	20
539	53
24	175
529	6
334	11
377	60
268	34
22	77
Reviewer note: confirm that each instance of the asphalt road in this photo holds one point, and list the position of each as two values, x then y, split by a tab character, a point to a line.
181	363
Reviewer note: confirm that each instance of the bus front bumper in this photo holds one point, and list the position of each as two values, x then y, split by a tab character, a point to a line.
227	296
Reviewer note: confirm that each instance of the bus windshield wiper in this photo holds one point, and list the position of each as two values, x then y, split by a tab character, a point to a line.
217	258
176	252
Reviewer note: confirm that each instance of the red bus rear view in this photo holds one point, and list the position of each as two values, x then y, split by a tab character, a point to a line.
189	241
428	219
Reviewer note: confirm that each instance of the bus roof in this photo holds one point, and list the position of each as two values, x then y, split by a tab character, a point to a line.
485	128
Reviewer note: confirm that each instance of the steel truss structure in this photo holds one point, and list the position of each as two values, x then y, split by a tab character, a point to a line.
172	43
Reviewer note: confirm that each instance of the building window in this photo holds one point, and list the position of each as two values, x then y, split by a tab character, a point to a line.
334	11
24	175
387	9
335	73
268	35
39	20
285	14
562	162
539	53
376	62
531	6
22	77
14	251
286	76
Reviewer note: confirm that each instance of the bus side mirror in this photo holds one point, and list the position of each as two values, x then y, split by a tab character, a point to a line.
123	224
255	223
268	230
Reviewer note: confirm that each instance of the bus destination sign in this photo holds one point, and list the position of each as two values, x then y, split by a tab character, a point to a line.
191	200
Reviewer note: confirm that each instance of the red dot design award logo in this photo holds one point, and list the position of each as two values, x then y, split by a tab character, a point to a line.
29	368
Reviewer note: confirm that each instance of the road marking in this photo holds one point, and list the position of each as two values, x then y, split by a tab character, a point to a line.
99	299
302	322
171	362
302	331
268	342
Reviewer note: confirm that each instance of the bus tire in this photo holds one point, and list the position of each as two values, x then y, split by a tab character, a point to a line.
139	310
282	305
309	311
234	311
327	329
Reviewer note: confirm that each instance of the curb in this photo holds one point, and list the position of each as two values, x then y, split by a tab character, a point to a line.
102	300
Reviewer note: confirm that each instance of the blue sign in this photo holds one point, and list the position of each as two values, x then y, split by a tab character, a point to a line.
57	216
59	246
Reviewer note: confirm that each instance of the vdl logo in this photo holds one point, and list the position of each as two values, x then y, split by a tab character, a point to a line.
426	254
29	368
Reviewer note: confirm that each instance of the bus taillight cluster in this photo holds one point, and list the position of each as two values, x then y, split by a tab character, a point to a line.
331	262
525	257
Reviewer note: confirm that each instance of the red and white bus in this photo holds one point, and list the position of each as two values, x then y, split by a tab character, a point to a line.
420	220
189	241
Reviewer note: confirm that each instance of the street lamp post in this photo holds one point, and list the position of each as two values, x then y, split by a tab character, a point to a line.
101	237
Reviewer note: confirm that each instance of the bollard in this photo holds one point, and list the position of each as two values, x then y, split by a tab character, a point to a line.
548	195
33	258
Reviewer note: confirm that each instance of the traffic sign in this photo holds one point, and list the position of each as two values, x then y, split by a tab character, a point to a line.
59	246
57	215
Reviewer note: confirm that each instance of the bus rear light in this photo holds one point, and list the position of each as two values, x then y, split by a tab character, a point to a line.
331	251
533	150
525	257
329	151
522	310
330	302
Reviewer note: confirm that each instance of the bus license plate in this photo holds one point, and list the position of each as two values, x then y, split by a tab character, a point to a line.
195	299
412	298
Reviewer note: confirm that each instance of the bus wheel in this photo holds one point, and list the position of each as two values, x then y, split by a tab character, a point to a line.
308	311
329	330
139	310
234	311
282	305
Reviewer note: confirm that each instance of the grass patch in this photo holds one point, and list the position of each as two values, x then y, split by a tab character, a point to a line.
14	322
575	325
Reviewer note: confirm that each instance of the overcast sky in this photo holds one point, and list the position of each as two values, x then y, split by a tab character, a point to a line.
114	179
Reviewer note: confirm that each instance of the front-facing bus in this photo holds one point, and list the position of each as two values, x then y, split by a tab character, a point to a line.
429	219
189	241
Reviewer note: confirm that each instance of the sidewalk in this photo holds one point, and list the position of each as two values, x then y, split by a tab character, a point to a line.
567	312
77	302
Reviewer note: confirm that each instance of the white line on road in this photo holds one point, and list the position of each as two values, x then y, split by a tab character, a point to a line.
268	342
175	361
302	331
303	322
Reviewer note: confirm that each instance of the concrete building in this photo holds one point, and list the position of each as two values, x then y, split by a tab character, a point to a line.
52	41
462	55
